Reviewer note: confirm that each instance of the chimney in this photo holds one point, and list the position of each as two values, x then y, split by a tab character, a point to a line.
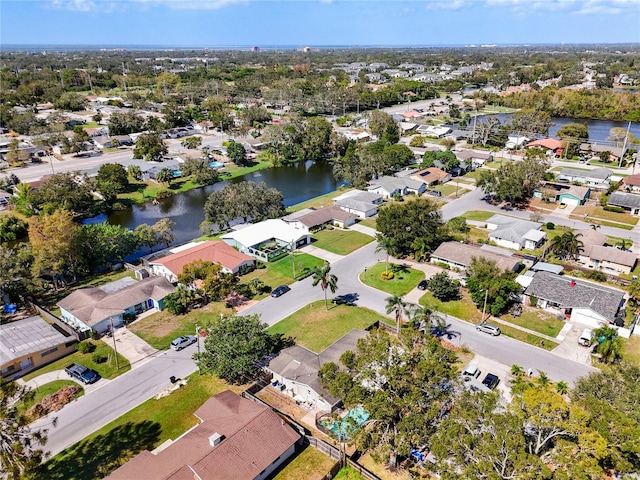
215	439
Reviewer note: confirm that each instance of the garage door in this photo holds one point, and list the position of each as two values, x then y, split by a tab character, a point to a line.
570	201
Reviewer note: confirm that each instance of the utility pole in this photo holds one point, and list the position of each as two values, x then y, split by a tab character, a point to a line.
484	308
624	145
293	259
115	349
198	343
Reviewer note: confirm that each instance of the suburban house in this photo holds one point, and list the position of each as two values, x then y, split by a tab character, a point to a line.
360	203
615	153
431	176
473	158
570	194
516	142
311	219
97	308
103	142
598	178
632	183
515	233
268	239
552	146
357	136
295	371
585	302
31	343
596	255
235	439
628	201
389	187
459	255
433	131
231	260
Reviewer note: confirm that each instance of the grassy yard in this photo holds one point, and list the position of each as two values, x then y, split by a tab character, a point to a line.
632	350
145	427
527	337
599	213
42	391
464	308
404	279
449	189
476	233
348	473
368	222
308	464
478	215
341	242
281	271
538	321
106	370
159	329
381	470
325	200
316	328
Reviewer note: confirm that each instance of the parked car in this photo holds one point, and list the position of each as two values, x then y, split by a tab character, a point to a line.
281	290
491	381
82	373
585	337
488	328
434	193
423	285
471	370
183	342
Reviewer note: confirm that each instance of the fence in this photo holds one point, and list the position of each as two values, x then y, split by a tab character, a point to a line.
64	326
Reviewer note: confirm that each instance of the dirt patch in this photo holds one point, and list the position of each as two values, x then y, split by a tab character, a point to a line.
54	402
238	302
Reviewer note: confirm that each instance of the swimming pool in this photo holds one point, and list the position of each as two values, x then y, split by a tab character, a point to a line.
216	164
349	424
177	173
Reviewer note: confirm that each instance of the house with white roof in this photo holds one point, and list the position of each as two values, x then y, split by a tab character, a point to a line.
515	233
268	239
389	187
358	202
597	178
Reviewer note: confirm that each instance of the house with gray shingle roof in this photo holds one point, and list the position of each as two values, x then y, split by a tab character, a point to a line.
628	201
597	178
515	233
389	187
96	308
585	302
312	219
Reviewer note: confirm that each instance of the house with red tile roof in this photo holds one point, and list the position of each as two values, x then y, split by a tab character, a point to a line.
231	260
552	145
632	183
236	439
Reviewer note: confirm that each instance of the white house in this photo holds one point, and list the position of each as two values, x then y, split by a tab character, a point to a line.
389	187
358	202
266	240
597	178
514	233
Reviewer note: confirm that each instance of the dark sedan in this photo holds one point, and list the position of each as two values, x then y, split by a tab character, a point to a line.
281	290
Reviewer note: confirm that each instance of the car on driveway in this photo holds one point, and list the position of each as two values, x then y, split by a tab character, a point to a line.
423	285
183	342
488	328
471	370
281	290
491	381
82	373
434	193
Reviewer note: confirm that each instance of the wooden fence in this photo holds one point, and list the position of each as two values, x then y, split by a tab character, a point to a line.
63	325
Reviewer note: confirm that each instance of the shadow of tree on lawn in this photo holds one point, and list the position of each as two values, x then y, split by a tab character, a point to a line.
98	457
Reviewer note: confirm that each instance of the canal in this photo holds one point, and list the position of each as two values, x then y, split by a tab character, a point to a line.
298	183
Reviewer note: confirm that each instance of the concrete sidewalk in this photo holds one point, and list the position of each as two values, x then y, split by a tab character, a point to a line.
320	253
363	229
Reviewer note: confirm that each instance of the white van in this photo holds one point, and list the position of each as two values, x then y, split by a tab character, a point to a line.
585	337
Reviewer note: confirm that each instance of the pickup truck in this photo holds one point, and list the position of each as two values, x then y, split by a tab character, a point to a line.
82	373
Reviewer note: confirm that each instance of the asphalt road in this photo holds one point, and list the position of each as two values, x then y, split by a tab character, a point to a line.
116	397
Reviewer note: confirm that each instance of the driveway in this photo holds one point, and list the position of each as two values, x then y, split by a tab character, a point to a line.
130	346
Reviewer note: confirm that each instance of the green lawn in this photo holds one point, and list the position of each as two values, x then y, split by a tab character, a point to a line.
316	328
160	328
602	214
464	308
369	222
632	350
538	321
308	464
42	391
341	242
478	215
106	370
449	189
348	473
527	337
403	281
145	427
281	271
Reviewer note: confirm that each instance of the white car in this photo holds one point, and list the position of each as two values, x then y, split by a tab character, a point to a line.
183	342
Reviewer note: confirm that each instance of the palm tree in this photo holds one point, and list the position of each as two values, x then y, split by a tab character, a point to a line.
543	379
420	249
624	243
384	244
594	226
398	306
610	345
517	370
428	316
562	388
134	172
255	285
326	279
567	246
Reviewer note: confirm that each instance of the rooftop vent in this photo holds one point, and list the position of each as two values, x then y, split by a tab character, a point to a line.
215	439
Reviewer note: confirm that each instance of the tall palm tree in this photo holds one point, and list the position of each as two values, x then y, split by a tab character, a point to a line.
610	345
327	280
385	244
567	246
420	249
624	243
399	307
428	317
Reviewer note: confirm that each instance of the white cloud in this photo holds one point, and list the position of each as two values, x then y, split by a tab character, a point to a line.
190	4
569	6
447	4
110	5
76	5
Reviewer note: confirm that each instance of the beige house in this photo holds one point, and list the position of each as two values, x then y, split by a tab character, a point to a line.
31	343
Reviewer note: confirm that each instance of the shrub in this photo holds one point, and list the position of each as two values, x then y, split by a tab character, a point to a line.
386	275
98	357
443	265
480	240
611	208
597	276
551	225
86	347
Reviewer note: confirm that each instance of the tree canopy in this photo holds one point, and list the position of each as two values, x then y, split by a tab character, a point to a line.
234	347
513	182
486	280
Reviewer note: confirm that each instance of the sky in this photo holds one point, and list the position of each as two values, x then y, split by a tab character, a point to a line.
220	23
